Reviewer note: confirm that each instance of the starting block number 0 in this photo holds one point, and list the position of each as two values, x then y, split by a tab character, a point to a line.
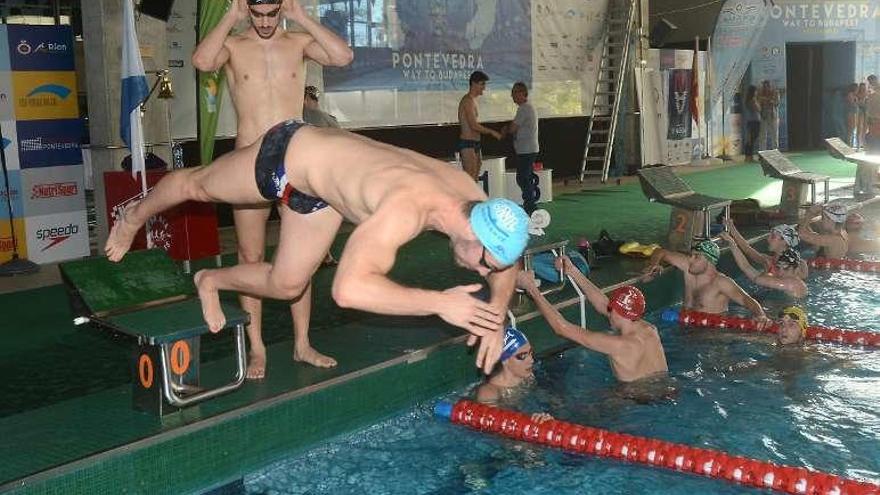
180	357
145	371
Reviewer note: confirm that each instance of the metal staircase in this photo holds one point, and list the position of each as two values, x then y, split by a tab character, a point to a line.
621	27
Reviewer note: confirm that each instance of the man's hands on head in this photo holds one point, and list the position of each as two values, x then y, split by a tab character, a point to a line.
239	10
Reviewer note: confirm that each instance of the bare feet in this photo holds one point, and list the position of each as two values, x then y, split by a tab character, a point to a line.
311	356
121	235
210	298
256	369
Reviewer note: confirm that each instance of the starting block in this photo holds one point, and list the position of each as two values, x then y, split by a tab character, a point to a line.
147	299
794	182
691	215
866	166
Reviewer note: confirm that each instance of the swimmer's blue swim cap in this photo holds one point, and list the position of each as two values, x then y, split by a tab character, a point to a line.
514	340
502	228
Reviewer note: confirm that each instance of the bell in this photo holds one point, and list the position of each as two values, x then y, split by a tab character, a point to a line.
166	92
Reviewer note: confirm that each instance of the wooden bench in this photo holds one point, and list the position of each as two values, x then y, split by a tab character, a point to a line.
145	298
691	212
794	180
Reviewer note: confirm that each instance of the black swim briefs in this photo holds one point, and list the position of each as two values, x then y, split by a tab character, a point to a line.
270	174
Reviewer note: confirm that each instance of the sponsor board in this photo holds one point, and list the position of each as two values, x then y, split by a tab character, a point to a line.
7	99
49	190
33	48
6	241
49	143
15	195
9	143
4	49
58	237
45	95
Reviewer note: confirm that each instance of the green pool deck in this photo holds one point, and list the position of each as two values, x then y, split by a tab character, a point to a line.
66	420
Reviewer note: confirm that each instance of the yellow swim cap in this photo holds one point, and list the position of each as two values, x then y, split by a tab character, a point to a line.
799	315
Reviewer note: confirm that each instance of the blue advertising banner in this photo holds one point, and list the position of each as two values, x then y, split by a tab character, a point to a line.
4	49
49	143
435	45
45	48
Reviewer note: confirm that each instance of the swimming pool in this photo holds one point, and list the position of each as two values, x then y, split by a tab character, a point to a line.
817	406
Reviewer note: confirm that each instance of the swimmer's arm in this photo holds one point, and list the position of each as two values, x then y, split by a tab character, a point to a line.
736	294
803	270
212	53
809	235
327	48
795	287
596	297
470	117
747	249
362	281
677	260
610	345
557	322
501	286
743	263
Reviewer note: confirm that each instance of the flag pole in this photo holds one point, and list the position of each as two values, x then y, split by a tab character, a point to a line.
134	94
695	67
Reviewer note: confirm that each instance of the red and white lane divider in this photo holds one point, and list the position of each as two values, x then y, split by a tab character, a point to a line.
844	264
817	333
678	457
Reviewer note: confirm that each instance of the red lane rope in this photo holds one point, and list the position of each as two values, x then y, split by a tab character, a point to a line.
678	457
844	264
817	333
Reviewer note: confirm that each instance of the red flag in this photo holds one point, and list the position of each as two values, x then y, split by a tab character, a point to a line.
695	84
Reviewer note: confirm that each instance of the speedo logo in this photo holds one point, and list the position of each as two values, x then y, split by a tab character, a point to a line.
55	190
57	235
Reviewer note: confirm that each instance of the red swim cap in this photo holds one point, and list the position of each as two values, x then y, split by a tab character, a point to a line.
628	302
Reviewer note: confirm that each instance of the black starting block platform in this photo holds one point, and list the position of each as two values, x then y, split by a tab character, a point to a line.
794	180
691	212
867	165
147	299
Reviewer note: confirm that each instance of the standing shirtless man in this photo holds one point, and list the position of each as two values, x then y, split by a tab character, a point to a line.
471	128
265	73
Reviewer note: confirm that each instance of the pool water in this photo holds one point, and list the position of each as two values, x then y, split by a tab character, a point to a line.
816	406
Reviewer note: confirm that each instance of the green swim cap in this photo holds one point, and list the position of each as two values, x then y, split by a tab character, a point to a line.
502	228
708	249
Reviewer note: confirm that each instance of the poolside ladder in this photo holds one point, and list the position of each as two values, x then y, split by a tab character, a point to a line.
620	29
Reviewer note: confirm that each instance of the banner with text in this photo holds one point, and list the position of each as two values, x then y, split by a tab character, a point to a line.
434	45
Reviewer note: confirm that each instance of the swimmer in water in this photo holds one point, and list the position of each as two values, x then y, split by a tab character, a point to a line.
784	275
